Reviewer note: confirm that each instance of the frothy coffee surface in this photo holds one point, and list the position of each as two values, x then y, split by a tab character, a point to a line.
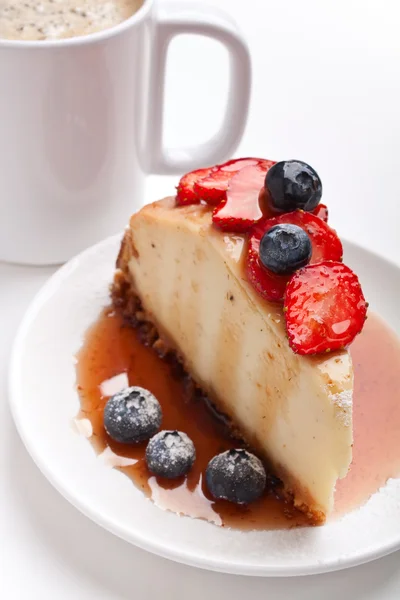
56	19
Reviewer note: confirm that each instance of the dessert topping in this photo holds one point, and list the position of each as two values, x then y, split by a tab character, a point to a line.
132	415
241	208
322	212
237	476
277	204
213	187
291	185
285	248
185	193
210	185
324	308
326	244
324	241
170	454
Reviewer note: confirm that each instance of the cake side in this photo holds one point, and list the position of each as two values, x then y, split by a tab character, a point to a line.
126	300
295	411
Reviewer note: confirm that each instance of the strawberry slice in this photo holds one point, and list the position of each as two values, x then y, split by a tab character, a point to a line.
241	209
325	246
322	212
325	241
185	191
324	308
213	188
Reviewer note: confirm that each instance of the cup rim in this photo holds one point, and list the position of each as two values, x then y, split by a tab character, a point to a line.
83	40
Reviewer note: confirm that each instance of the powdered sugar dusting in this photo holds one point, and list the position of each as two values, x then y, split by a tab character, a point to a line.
180	446
170	454
343	401
146	405
236	475
132	415
231	462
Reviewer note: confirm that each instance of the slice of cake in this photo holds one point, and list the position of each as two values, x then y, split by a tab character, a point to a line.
189	270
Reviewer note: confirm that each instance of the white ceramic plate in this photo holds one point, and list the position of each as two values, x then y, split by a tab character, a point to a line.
44	402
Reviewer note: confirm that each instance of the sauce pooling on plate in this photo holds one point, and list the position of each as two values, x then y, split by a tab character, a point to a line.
113	357
376	415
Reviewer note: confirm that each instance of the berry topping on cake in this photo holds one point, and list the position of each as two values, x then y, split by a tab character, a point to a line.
285	248
324	241
170	454
324	308
278	206
291	185
213	188
326	244
322	212
185	193
242	209
237	476
132	415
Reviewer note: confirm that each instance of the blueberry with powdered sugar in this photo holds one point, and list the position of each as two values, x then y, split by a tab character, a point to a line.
237	476
170	454
132	415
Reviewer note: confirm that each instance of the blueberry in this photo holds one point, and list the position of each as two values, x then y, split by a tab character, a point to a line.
170	454
132	415
285	248
292	184
237	476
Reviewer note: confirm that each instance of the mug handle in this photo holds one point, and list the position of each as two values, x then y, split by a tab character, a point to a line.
175	18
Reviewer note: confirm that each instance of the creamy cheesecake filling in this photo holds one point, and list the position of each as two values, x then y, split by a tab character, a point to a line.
296	411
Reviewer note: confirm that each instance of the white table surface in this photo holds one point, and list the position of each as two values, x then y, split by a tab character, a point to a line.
326	90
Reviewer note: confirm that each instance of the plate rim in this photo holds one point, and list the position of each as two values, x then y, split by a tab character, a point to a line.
190	559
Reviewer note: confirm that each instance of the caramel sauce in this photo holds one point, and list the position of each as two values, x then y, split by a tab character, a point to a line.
113	357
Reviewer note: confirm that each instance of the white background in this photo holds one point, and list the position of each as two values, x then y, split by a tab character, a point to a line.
326	90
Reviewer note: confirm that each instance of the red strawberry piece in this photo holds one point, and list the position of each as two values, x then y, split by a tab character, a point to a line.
213	188
325	241
322	212
241	209
185	193
265	205
268	284
235	165
324	308
325	244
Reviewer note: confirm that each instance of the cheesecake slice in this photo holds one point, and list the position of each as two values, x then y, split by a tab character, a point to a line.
185	277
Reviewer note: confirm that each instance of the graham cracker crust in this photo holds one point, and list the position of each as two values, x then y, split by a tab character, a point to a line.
127	301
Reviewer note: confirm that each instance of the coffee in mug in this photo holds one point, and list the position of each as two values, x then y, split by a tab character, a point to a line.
57	19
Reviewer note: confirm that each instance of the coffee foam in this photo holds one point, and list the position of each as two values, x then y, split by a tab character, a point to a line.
57	19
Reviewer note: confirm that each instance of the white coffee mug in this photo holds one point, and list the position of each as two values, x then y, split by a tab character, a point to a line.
81	124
